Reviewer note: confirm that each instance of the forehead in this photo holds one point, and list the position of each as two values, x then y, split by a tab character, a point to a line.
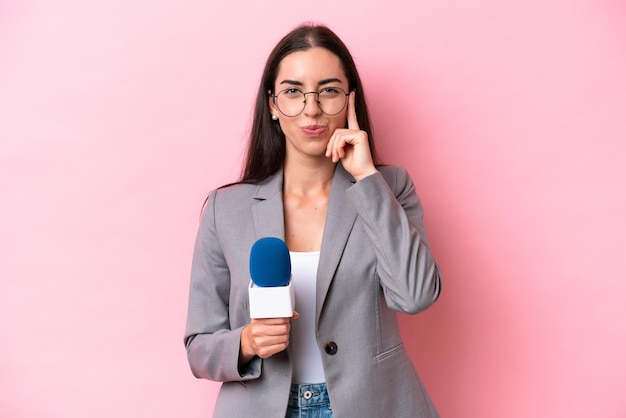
310	66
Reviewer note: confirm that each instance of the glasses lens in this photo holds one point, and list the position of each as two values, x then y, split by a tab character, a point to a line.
290	102
331	100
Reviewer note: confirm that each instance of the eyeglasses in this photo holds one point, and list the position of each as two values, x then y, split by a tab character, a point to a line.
291	102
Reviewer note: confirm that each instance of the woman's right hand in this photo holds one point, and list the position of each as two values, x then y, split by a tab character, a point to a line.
264	337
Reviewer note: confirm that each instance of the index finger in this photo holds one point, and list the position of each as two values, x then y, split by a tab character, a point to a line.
353	123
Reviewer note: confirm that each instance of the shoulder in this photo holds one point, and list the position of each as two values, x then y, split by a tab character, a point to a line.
234	192
227	207
398	178
227	199
240	193
392	170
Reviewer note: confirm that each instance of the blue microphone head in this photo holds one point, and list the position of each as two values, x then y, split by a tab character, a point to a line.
270	265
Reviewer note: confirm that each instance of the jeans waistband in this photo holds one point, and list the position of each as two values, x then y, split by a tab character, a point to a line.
304	395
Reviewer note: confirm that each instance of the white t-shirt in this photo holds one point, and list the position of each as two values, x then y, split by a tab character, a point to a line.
306	355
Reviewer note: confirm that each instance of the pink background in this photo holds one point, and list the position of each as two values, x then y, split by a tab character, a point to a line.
117	117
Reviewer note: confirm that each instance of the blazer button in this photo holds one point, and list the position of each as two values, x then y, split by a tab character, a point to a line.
331	348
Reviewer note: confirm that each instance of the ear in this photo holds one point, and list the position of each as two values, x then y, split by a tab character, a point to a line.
272	105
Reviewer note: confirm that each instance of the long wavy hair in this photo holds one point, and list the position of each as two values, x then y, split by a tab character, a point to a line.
266	145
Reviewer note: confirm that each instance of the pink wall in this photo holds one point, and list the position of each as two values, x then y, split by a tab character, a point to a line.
117	117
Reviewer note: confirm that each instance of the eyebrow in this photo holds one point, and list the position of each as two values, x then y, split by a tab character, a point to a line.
321	83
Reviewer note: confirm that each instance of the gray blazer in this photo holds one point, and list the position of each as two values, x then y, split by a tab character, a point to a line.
374	261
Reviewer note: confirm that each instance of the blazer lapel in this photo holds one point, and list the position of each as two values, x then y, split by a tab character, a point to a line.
268	213
340	219
269	221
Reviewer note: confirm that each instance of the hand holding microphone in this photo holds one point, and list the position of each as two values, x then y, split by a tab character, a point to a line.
265	337
271	300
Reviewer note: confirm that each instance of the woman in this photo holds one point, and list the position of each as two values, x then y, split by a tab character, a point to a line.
358	248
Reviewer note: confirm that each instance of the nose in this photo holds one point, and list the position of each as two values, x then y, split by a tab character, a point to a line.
312	106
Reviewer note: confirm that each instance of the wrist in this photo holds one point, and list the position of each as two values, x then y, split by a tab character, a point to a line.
246	353
368	173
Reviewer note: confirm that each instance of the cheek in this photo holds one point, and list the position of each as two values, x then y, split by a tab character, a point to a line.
286	125
340	121
344	118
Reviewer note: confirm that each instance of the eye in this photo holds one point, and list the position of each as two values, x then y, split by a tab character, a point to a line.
330	91
291	92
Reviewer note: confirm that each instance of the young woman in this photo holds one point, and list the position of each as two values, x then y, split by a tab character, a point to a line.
358	248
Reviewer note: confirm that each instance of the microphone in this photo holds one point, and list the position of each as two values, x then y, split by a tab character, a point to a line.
270	293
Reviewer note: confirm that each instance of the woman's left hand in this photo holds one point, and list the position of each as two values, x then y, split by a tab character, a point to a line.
351	146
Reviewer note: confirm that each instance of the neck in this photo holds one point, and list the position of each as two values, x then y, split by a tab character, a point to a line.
302	178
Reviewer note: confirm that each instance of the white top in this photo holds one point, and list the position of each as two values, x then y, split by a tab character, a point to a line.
306	355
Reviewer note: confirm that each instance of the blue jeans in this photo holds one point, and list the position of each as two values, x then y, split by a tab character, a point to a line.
309	401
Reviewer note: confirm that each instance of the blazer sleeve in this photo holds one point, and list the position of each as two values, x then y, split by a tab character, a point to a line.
392	214
212	346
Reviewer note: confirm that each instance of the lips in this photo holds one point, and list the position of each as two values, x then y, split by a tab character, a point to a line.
314	130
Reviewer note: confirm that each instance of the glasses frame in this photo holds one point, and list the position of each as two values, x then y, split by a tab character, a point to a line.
275	97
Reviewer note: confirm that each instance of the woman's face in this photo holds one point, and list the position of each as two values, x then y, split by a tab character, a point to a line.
312	70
